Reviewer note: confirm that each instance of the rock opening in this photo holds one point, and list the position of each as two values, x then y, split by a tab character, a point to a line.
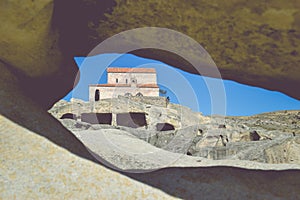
254	136
97	118
68	116
164	127
132	119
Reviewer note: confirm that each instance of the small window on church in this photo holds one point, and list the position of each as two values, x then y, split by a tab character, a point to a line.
117	80
139	94
126	80
133	80
97	95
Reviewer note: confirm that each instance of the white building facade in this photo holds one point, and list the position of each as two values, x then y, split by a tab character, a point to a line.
126	82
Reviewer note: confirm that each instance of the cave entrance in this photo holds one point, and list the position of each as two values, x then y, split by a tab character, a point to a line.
68	116
132	119
164	127
97	118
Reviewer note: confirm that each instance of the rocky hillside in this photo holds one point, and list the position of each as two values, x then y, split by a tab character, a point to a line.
267	138
40	159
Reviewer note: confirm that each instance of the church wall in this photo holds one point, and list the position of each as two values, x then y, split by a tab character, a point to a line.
114	92
142	78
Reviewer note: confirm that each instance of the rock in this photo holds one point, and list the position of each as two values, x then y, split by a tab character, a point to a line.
101	126
174	117
182	140
75	125
211	142
40	159
122	150
29	46
286	152
48	47
265	36
39	169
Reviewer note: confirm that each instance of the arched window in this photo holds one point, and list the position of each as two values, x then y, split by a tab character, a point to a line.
117	80
139	94
133	80
97	95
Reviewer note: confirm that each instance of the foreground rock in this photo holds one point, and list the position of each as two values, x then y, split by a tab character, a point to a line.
121	150
40	170
40	159
44	41
32	167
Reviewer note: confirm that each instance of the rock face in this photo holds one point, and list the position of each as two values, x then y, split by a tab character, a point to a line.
41	169
30	51
267	138
32	167
154	112
44	41
40	159
289	152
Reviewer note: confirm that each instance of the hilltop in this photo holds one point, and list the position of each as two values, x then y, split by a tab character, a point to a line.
272	138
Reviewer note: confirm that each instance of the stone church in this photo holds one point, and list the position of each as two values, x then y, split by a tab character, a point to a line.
126	82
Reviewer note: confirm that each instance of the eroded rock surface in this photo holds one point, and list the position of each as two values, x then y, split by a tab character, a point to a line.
40	169
257	138
37	69
32	167
39	46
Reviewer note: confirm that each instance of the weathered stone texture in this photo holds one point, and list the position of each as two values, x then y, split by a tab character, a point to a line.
32	167
37	60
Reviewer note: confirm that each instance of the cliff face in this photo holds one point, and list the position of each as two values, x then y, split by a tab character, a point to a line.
37	68
30	52
255	43
265	138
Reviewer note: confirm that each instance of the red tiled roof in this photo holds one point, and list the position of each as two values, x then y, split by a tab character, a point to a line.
126	85
132	70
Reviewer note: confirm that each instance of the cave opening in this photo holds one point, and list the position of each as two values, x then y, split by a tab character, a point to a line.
68	116
97	118
132	119
164	127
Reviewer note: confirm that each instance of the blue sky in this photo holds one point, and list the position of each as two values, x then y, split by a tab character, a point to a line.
187	89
